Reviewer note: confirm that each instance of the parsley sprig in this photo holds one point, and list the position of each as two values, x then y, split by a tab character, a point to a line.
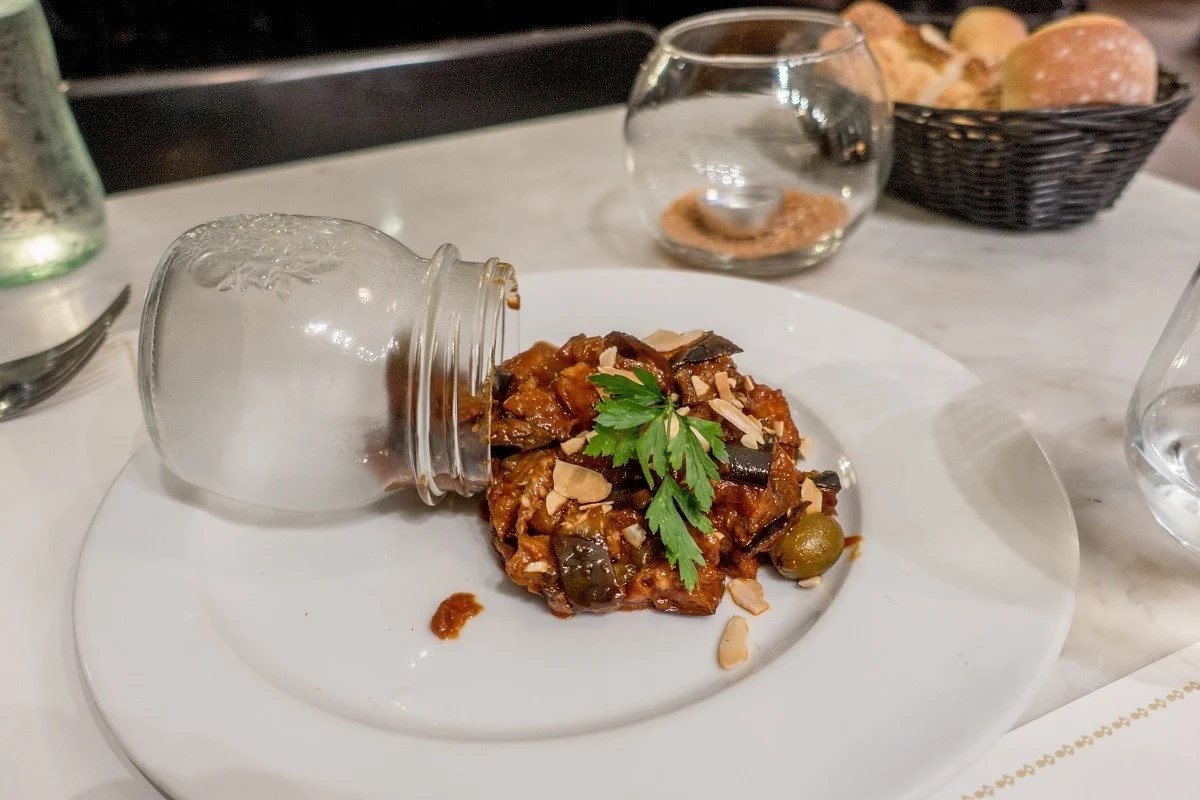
636	420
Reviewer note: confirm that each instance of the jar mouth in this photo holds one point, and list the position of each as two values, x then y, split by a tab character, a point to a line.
794	35
465	329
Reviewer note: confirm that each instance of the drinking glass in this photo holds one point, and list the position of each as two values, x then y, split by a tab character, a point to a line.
51	199
757	139
1163	423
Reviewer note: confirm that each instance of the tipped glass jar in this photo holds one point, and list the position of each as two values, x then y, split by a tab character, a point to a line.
757	139
315	364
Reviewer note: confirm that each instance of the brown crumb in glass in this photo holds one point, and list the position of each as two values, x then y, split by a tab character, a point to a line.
801	221
452	614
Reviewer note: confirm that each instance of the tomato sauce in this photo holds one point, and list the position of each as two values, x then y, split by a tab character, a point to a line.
452	614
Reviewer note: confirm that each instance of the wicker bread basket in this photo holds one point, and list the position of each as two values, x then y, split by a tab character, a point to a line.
1027	170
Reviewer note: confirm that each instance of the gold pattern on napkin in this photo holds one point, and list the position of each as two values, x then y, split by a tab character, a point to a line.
1086	740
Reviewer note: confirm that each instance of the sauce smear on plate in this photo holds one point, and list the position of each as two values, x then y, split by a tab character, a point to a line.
452	614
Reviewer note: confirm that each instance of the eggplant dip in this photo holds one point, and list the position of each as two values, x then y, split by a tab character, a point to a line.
648	473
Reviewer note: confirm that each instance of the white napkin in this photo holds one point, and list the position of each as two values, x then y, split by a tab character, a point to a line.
1136	738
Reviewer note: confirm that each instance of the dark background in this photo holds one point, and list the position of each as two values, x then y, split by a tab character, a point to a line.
113	37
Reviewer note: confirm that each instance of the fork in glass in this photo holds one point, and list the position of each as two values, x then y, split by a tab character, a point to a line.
28	381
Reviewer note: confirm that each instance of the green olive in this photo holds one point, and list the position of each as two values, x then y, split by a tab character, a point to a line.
812	544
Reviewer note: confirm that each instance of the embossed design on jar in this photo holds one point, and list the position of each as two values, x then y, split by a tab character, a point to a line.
269	253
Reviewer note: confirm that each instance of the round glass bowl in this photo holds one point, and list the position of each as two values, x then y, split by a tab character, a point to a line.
756	140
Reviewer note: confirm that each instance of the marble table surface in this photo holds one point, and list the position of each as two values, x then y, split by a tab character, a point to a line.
1057	324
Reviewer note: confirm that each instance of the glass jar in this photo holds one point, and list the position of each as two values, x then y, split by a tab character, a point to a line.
758	139
314	364
51	199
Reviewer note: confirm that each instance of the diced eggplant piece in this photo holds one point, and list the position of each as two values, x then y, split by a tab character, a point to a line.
771	533
635	498
586	571
501	379
503	451
635	349
828	481
750	467
710	347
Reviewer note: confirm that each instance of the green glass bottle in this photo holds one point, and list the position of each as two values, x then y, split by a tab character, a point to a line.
51	199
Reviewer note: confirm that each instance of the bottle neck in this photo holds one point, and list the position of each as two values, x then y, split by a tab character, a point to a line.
465	325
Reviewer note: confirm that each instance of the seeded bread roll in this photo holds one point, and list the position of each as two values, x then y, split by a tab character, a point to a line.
877	20
1084	59
988	33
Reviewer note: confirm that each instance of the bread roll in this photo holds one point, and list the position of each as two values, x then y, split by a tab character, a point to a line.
988	33
891	57
1084	59
877	20
961	94
913	82
982	75
926	43
918	64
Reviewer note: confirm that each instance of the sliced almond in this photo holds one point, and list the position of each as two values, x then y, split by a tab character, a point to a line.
574	445
804	448
809	583
608	358
778	429
665	341
603	506
716	534
700	386
624	373
674	397
635	534
724	390
750	442
538	566
683	411
810	492
703	442
748	593
746	382
735	643
672	428
554	501
856	551
736	418
580	483
738	404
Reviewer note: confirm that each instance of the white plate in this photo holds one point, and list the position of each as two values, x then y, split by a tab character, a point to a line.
241	654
